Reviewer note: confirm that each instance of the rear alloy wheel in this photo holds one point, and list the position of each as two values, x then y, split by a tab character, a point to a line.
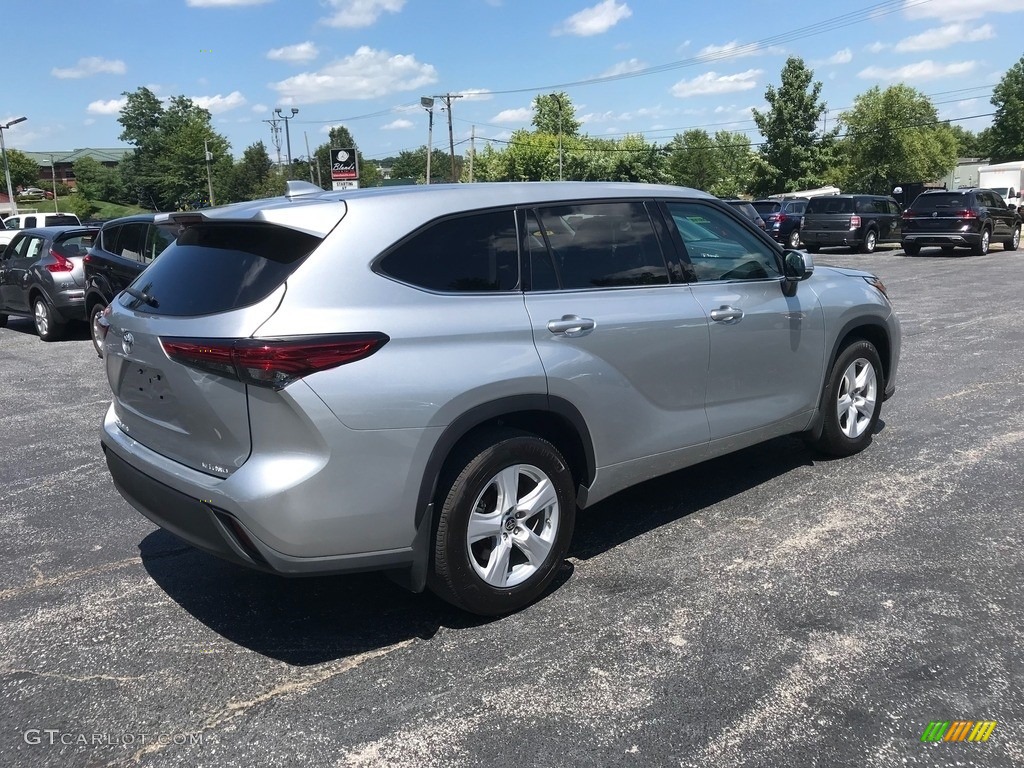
982	247
505	524
1014	242
852	402
46	324
911	249
96	328
794	239
870	241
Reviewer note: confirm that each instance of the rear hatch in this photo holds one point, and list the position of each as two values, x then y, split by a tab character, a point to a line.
828	216
72	249
938	212
169	352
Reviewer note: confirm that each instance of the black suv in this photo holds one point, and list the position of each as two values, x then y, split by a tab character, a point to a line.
858	221
123	248
782	218
960	218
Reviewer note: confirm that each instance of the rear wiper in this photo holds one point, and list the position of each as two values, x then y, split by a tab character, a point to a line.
142	296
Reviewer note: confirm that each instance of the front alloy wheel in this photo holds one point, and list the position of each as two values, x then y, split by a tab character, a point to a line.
852	401
858	392
982	247
794	239
1014	242
504	524
870	241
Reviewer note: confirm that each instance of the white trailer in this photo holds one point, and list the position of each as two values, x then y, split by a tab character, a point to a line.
1005	178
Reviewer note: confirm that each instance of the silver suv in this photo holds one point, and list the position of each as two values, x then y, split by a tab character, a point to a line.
431	380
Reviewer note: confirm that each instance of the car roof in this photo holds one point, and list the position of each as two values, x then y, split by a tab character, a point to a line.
58	230
308	208
145	217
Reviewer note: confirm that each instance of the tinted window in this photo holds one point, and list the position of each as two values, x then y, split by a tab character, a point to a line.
75	244
894	209
472	253
130	242
613	244
219	267
720	248
157	241
830	205
797	208
61	220
30	221
764	207
935	201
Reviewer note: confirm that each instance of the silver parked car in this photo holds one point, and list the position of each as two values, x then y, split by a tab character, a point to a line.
431	380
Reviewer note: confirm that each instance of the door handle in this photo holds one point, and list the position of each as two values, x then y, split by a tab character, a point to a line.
726	314
571	325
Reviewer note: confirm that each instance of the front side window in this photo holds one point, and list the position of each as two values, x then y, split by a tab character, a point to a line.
603	245
720	248
131	241
465	254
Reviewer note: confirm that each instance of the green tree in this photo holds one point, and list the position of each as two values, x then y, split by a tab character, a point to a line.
969	144
895	136
24	170
795	152
554	113
82	207
1006	135
412	164
96	181
250	178
734	159
692	161
340	137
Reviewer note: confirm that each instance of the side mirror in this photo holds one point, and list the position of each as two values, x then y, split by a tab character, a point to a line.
797	266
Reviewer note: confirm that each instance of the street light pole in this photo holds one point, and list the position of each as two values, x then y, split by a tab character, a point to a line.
209	178
7	168
428	104
287	135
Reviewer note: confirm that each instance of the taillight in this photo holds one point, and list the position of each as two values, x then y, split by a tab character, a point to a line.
855	222
966	214
274	363
780	217
62	264
908	214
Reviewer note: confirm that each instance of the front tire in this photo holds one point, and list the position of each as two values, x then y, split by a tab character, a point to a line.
505	523
95	327
794	239
852	402
982	247
911	249
47	326
870	242
1014	242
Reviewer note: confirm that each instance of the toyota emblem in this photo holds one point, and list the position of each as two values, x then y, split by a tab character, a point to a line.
127	341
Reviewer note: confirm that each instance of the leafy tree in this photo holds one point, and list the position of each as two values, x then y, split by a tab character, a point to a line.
554	113
969	144
795	153
1006	135
82	207
734	159
339	136
412	164
895	136
24	170
96	181
692	161
250	178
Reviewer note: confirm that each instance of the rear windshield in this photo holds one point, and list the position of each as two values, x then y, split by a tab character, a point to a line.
219	267
830	205
767	207
934	201
746	209
61	220
74	244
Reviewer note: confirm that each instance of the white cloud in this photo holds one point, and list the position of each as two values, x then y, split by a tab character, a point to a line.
256	108
110	107
844	56
943	37
594	20
957	10
351	14
624	68
91	65
877	47
735	50
300	52
222	3
521	115
397	125
366	74
712	82
218	104
89	121
476	94
922	70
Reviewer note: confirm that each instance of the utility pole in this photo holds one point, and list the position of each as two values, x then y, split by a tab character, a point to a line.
275	136
428	104
53	176
7	168
310	157
472	151
209	178
558	100
447	99
287	135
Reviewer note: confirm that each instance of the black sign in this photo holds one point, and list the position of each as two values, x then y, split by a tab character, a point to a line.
344	165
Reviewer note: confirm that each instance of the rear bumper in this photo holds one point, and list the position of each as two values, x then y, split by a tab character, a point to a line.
70	305
942	238
832	237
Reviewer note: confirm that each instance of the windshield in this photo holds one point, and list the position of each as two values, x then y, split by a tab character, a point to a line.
935	200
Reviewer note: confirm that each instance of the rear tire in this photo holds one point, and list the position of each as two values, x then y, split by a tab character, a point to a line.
794	239
94	327
870	242
982	247
812	248
47	326
852	401
911	249
504	525
1014	242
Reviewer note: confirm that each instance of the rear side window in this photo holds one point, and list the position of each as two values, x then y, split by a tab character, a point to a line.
220	267
764	208
827	205
474	253
129	242
868	205
937	201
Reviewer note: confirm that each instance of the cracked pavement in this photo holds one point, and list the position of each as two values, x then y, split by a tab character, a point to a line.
765	609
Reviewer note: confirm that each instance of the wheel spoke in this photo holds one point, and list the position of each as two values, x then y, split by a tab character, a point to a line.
866	406
537	500
496	571
851	429
507	483
483	526
536	548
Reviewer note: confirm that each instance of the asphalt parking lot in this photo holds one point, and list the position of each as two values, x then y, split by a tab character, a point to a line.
765	609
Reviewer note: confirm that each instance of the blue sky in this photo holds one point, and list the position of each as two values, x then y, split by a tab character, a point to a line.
661	66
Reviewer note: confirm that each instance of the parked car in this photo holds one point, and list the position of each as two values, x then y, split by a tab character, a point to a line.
744	207
420	380
858	221
782	218
972	218
32	220
41	276
35	192
122	250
